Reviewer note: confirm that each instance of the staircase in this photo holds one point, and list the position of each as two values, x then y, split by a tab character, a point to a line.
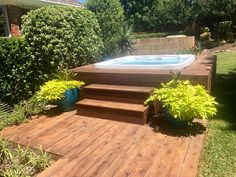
115	102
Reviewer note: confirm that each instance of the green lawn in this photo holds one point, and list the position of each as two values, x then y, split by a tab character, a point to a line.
219	154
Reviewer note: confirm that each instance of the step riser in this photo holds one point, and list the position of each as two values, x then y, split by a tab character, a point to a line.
99	113
120	96
116	99
111	111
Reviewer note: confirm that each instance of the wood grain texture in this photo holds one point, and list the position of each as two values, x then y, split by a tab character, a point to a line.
202	71
91	147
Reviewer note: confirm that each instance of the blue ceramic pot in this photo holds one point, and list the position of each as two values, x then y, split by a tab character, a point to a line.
71	97
175	123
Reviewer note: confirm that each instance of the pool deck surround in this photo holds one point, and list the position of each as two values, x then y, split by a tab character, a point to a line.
119	94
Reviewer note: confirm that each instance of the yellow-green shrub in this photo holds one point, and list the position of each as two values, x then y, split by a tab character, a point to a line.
185	101
54	90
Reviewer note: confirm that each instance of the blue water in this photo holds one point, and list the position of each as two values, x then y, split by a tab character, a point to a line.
150	61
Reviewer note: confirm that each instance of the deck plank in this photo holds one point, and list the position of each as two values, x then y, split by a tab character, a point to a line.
103	148
27	129
34	138
145	159
80	138
114	151
191	162
164	157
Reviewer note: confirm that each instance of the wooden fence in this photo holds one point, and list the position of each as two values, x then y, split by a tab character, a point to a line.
165	45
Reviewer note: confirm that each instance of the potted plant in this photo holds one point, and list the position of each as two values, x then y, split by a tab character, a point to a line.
62	91
181	102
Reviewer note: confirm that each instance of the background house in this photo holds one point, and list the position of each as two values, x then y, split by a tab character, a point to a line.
11	12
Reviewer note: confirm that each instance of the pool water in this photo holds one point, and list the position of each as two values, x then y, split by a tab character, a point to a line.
161	62
151	61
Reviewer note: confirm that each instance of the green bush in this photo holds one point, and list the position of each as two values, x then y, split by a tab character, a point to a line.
110	15
224	31
185	101
55	89
17	80
61	37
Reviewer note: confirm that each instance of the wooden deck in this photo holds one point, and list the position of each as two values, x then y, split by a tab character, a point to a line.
202	71
93	147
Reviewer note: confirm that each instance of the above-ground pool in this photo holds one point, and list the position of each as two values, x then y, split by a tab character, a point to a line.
160	62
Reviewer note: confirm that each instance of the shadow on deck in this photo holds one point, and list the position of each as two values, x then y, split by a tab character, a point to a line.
99	147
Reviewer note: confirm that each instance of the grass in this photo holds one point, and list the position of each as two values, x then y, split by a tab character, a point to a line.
219	154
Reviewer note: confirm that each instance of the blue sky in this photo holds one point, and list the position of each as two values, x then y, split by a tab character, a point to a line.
83	1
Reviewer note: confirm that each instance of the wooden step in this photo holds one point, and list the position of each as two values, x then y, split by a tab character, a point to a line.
127	112
118	93
120	88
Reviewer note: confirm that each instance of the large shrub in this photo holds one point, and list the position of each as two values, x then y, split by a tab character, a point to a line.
224	30
168	15
61	37
16	74
110	15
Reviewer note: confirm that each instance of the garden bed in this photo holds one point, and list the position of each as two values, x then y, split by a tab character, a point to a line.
16	160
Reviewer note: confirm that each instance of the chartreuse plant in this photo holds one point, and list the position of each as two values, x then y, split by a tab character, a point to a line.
54	90
185	101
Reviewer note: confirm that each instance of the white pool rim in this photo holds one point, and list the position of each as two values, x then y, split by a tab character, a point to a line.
109	64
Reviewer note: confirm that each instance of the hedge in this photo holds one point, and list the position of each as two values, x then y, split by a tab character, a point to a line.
61	37
53	38
16	74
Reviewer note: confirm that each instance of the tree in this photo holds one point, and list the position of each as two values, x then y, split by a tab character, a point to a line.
210	12
138	13
170	15
110	15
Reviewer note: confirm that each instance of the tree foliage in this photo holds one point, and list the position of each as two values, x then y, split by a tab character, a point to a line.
210	12
164	15
138	13
167	14
61	37
110	15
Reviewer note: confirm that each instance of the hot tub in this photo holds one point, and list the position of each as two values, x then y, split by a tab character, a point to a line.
158	62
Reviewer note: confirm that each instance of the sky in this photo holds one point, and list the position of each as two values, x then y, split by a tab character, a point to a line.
82	1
